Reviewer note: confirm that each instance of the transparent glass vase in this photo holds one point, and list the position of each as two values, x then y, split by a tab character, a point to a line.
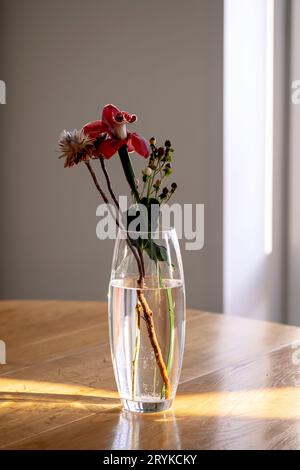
147	318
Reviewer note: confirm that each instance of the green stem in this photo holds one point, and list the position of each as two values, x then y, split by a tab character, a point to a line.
171	329
144	186
156	170
136	349
128	171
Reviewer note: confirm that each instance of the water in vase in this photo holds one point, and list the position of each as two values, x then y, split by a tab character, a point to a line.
138	375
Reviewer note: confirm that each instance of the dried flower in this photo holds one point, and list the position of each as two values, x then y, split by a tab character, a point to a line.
156	185
174	186
152	141
151	163
75	146
168	144
148	171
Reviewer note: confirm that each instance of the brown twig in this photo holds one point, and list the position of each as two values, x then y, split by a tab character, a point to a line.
101	159
89	166
137	348
142	260
148	315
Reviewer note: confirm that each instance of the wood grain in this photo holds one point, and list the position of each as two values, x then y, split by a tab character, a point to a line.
239	385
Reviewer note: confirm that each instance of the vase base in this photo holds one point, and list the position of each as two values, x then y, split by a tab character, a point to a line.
146	407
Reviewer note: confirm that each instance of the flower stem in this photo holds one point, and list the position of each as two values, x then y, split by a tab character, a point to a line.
128	170
148	314
109	186
137	348
171	328
105	199
103	195
143	189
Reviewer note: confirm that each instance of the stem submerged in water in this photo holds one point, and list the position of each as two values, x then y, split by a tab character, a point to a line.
137	348
148	315
171	329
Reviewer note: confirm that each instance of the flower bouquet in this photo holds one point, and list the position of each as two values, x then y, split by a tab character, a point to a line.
147	295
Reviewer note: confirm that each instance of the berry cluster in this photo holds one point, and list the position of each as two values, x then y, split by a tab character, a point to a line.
159	167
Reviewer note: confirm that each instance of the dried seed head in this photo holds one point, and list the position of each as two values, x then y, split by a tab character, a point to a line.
148	171
75	146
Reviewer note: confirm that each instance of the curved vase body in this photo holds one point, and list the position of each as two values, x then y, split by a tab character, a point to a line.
147	319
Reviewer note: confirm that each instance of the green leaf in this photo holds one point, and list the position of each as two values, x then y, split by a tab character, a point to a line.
155	252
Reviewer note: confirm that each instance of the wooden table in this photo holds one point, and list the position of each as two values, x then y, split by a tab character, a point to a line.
239	385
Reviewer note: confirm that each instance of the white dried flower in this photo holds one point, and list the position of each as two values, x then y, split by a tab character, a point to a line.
148	171
75	146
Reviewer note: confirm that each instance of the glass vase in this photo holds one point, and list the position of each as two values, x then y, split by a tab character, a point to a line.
147	318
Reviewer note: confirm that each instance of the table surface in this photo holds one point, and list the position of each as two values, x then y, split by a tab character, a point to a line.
239	388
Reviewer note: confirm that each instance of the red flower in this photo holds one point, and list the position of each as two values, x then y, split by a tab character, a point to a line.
114	123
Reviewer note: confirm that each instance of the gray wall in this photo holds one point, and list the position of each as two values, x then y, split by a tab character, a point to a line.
62	61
